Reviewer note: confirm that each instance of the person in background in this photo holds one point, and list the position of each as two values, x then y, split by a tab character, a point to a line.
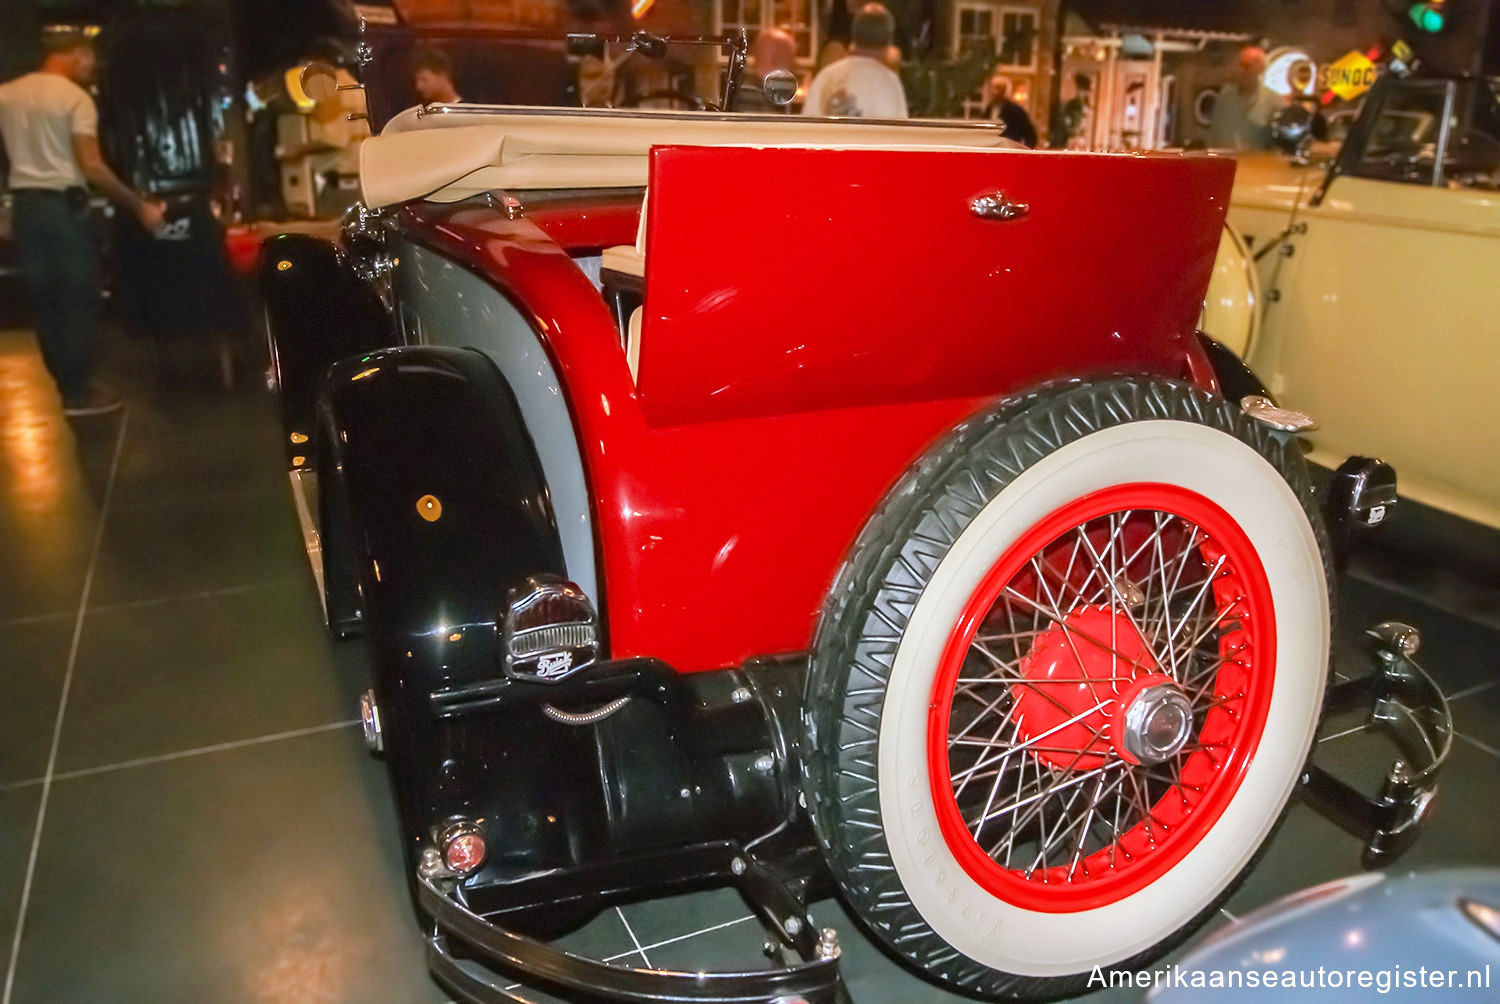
832	53
51	132
432	77
861	85
1242	112
1018	125
774	49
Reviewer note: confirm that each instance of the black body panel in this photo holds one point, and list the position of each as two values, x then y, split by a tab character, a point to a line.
1236	380
317	312
446	510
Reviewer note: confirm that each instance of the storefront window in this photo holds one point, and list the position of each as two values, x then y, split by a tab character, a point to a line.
799	17
1018	31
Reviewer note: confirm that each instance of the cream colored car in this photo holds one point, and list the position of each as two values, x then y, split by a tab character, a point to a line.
1365	293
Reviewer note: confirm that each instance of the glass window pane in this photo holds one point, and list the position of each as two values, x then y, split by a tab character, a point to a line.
1402	144
1018	38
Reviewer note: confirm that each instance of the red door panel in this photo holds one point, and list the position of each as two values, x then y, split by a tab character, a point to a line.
792	280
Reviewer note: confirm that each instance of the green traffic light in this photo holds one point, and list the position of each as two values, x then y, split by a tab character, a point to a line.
1427	17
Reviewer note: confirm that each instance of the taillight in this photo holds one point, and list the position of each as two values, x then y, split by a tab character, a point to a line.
463	847
550	630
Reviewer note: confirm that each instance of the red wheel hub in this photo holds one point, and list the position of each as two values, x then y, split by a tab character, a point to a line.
1100	696
1079	679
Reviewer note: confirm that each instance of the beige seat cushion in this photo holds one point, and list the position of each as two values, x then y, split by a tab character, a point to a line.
633	341
626	258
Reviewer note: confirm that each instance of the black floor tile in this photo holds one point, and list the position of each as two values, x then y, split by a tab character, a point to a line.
260	874
17	824
175	550
229	448
33	661
1458	651
1477	715
732	945
658	920
160	678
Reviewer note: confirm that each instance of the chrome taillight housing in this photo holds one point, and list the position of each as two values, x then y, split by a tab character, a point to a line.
550	631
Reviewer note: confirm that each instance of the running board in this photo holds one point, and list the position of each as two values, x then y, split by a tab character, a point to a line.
304	496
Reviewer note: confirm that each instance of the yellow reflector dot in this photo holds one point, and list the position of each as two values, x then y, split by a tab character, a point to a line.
429	508
283	265
298	437
298	461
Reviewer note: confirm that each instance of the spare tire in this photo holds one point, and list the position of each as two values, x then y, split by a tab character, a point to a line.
1066	683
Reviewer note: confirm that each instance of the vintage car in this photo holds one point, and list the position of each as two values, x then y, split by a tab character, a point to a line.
1376	271
752	500
1398	937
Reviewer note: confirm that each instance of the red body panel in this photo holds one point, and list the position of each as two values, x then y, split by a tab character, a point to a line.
865	277
723	518
584	222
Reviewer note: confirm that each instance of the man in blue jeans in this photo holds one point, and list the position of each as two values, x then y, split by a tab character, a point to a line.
50	127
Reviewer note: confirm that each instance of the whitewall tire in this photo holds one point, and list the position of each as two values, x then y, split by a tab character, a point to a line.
1067	682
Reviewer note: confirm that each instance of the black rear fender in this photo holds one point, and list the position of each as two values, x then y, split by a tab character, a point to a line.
446	509
317	311
447	504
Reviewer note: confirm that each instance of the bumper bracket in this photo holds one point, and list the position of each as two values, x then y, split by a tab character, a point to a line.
1410	709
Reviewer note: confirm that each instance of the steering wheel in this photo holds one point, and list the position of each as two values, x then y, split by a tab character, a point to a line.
678	99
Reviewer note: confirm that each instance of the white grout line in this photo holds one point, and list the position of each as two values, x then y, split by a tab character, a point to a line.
1346	732
681	937
633	939
202	594
62	708
104	608
1484	746
233	744
227	495
641	950
1471	691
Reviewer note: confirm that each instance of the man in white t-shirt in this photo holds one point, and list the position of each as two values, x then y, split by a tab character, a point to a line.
861	85
50	128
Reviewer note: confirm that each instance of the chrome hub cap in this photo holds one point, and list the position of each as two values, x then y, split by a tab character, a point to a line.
1157	724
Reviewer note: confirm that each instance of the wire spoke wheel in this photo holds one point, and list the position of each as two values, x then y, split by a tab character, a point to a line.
1099	696
1066	684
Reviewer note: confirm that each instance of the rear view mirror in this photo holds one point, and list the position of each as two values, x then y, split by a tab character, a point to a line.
779	87
319	81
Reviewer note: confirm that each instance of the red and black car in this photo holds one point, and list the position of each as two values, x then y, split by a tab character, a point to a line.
798	504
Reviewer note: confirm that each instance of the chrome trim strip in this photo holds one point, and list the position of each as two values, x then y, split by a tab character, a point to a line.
794	121
311	542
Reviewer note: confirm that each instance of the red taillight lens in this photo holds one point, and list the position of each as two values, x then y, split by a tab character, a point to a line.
463	848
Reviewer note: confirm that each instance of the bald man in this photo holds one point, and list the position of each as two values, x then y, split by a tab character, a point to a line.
1242	112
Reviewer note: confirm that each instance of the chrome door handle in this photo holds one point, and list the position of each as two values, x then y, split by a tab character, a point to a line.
995	206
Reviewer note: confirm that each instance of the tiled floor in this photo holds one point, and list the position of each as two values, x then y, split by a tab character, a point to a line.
187	812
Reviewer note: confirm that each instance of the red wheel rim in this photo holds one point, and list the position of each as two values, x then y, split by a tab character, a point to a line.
1034	708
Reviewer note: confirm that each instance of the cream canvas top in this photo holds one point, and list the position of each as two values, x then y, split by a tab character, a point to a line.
451	153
